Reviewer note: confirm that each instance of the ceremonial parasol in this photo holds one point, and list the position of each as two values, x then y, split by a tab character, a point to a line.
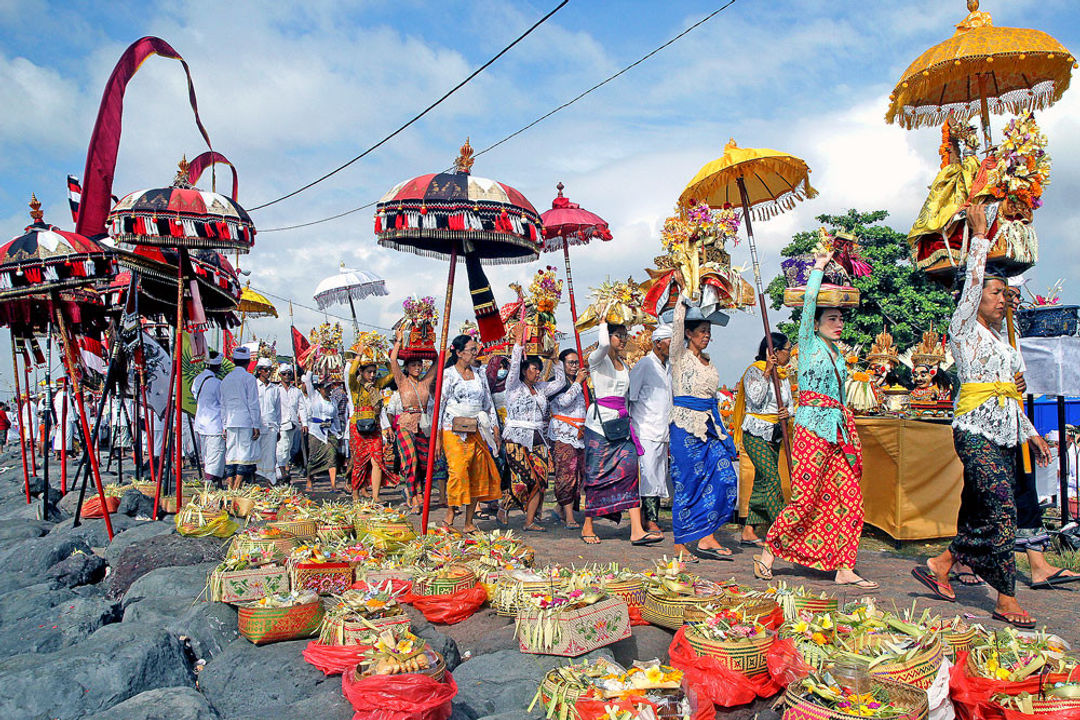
765	183
34	268
253	304
979	70
566	224
349	285
444	214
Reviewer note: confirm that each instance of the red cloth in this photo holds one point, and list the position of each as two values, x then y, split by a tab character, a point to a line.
448	609
92	507
5	423
333	659
399	697
365	452
711	681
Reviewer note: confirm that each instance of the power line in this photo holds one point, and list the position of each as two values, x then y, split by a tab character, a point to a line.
421	114
535	122
323	312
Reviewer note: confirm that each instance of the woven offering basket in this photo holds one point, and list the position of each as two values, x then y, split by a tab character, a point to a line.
263	625
828	296
301	529
631	590
552	687
378	577
335	532
667	610
243	506
459	578
236	586
743	656
329	578
920	671
912	700
1045	705
435	671
957	642
816	605
274	549
388	535
508	592
750	607
348	631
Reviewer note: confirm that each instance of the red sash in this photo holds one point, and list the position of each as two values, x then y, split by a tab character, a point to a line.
852	446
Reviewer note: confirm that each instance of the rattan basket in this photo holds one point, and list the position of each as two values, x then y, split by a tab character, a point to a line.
744	656
457	577
631	590
277	549
912	700
236	586
348	631
329	578
750	607
242	506
508	591
302	529
388	535
959	641
334	532
667	610
815	605
263	625
920	671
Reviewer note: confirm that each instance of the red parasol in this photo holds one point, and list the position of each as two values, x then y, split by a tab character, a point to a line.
447	214
566	224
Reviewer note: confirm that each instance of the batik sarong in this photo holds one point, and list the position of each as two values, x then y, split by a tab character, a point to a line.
767	496
366	451
569	473
706	487
611	475
528	473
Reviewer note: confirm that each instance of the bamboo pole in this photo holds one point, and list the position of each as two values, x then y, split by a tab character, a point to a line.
32	430
178	348
439	373
19	416
63	441
46	416
573	316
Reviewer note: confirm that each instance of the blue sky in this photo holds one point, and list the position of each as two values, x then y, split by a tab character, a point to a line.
289	91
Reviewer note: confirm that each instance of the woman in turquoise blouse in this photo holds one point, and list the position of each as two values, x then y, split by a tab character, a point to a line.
821	524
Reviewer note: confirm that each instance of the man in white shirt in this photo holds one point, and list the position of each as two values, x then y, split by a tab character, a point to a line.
242	417
63	423
293	417
209	423
270	405
650	413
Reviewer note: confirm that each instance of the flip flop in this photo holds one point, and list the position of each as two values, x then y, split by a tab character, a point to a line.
1058	578
588	539
1020	620
761	570
862	584
572	526
712	554
924	576
535	528
650	538
751	543
974	581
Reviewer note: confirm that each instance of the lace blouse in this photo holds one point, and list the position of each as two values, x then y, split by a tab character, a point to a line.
690	376
822	369
569	403
525	411
463	398
983	356
761	399
607	381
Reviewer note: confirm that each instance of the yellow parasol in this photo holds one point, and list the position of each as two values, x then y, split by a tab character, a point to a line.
765	183
255	304
979	70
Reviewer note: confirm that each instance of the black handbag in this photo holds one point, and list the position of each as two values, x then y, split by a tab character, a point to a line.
616	430
366	425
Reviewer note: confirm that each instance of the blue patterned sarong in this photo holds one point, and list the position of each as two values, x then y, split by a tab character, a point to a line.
706	488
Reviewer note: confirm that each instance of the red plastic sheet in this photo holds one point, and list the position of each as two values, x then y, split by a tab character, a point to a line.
773	620
711	681
635	616
399	697
785	663
92	507
333	659
448	609
971	694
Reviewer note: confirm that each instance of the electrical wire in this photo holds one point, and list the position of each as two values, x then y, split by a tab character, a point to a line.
534	123
419	115
323	312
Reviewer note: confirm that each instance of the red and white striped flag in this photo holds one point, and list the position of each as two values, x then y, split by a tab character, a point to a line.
74	196
92	353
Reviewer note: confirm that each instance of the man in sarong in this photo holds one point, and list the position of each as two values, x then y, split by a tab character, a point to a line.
209	420
270	407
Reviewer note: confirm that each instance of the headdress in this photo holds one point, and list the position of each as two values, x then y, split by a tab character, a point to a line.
883	350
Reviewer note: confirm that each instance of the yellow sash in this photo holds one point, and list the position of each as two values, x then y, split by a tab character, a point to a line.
739	411
972	395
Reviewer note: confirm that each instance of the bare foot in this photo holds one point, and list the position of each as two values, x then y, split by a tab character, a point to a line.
749	535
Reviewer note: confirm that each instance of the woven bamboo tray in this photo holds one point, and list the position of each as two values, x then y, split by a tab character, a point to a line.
350	632
668	610
436	671
632	591
334	532
462	578
743	656
236	586
302	529
274	549
912	700
920	671
508	593
263	625
331	578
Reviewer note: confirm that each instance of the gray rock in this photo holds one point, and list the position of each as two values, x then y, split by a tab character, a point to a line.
186	583
115	663
13	530
157	552
79	569
327	703
41	618
209	627
69	502
499	637
172	703
442	644
136	534
249	681
646	642
135	504
93	530
504	681
19	510
37	555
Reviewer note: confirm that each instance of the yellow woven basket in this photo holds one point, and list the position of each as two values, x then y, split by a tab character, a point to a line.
744	656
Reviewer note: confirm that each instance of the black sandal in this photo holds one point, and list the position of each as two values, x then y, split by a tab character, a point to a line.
649	538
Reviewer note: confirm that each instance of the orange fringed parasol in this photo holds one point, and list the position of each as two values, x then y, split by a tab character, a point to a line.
979	70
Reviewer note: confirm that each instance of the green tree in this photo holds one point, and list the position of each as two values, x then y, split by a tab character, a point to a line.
896	296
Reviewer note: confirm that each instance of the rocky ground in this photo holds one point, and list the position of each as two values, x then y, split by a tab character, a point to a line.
92	629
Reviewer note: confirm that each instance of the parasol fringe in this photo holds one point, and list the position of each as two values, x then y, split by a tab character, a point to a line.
781	165
390	240
339	296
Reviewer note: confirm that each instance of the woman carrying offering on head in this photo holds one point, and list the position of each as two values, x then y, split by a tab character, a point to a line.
365	428
414	419
820	526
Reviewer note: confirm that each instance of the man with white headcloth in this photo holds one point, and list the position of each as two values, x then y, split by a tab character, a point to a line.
209	422
270	406
243	420
293	417
650	412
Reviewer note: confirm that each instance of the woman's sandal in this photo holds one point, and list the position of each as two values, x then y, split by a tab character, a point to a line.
927	578
761	570
590	539
861	584
1020	620
649	538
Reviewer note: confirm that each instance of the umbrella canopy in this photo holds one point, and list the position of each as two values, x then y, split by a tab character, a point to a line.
774	181
46	258
219	288
426	214
254	304
181	216
348	285
566	223
1020	69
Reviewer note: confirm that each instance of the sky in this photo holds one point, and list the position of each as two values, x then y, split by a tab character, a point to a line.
288	91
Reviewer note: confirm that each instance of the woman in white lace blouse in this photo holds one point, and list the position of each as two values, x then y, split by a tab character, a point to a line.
988	431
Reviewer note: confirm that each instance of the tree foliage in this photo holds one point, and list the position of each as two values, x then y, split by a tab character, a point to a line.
896	296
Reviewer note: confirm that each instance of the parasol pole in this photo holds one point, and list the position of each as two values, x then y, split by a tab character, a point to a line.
178	348
19	411
46	416
76	387
573	316
764	312
63	442
439	372
352	309
1025	451
984	109
32	430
